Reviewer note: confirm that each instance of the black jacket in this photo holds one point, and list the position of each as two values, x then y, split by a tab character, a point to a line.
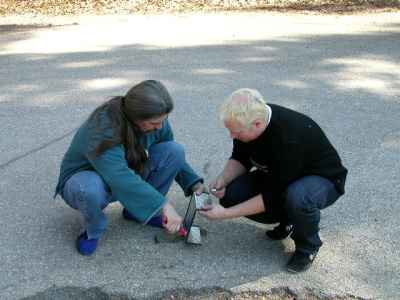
292	146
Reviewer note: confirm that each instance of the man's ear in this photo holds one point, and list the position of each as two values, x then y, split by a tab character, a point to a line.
258	123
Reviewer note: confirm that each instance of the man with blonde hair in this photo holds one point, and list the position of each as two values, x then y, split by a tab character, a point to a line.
283	169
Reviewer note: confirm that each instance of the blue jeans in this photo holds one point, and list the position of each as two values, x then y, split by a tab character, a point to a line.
304	200
87	192
300	205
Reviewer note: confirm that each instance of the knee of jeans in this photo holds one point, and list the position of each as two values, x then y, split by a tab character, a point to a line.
91	197
176	152
223	202
226	201
296	201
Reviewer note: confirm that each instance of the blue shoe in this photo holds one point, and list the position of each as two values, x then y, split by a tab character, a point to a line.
84	245
155	221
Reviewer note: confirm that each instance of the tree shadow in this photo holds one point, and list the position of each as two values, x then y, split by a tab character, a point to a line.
45	96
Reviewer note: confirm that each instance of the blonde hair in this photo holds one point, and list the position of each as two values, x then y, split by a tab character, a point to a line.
245	106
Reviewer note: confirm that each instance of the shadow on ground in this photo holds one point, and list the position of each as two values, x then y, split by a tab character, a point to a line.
46	96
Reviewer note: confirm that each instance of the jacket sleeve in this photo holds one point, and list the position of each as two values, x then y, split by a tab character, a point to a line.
141	199
186	177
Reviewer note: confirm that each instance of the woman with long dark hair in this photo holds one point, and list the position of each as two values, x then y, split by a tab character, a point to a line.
125	152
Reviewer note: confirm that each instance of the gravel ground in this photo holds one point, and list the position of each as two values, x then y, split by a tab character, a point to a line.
79	7
342	70
187	294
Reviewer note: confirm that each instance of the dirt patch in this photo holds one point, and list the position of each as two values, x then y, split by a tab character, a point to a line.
281	293
77	7
213	293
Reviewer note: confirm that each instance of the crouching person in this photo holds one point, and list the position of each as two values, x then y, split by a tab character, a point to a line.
125	152
283	169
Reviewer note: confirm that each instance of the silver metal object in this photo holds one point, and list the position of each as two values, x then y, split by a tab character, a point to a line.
203	200
194	236
190	214
196	203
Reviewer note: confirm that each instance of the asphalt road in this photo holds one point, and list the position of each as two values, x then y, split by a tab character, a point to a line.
343	71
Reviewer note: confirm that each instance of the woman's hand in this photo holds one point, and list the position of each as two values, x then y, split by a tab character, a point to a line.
198	188
217	187
215	212
173	221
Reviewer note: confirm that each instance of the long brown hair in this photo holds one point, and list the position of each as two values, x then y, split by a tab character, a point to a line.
146	100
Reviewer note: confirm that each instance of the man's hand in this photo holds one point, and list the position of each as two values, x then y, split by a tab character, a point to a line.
173	220
198	188
250	207
215	212
217	187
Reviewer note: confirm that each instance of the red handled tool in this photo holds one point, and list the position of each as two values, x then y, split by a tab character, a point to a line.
182	231
191	234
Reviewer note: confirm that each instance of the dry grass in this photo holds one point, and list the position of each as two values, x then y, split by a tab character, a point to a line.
69	7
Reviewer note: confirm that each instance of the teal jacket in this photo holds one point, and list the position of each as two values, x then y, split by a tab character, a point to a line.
140	198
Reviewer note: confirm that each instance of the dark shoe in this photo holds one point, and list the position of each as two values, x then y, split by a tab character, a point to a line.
155	221
300	262
84	245
280	232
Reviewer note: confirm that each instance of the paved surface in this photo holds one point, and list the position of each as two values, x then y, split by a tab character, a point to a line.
343	71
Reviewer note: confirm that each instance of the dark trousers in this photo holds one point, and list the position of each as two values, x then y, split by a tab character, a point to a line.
299	205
